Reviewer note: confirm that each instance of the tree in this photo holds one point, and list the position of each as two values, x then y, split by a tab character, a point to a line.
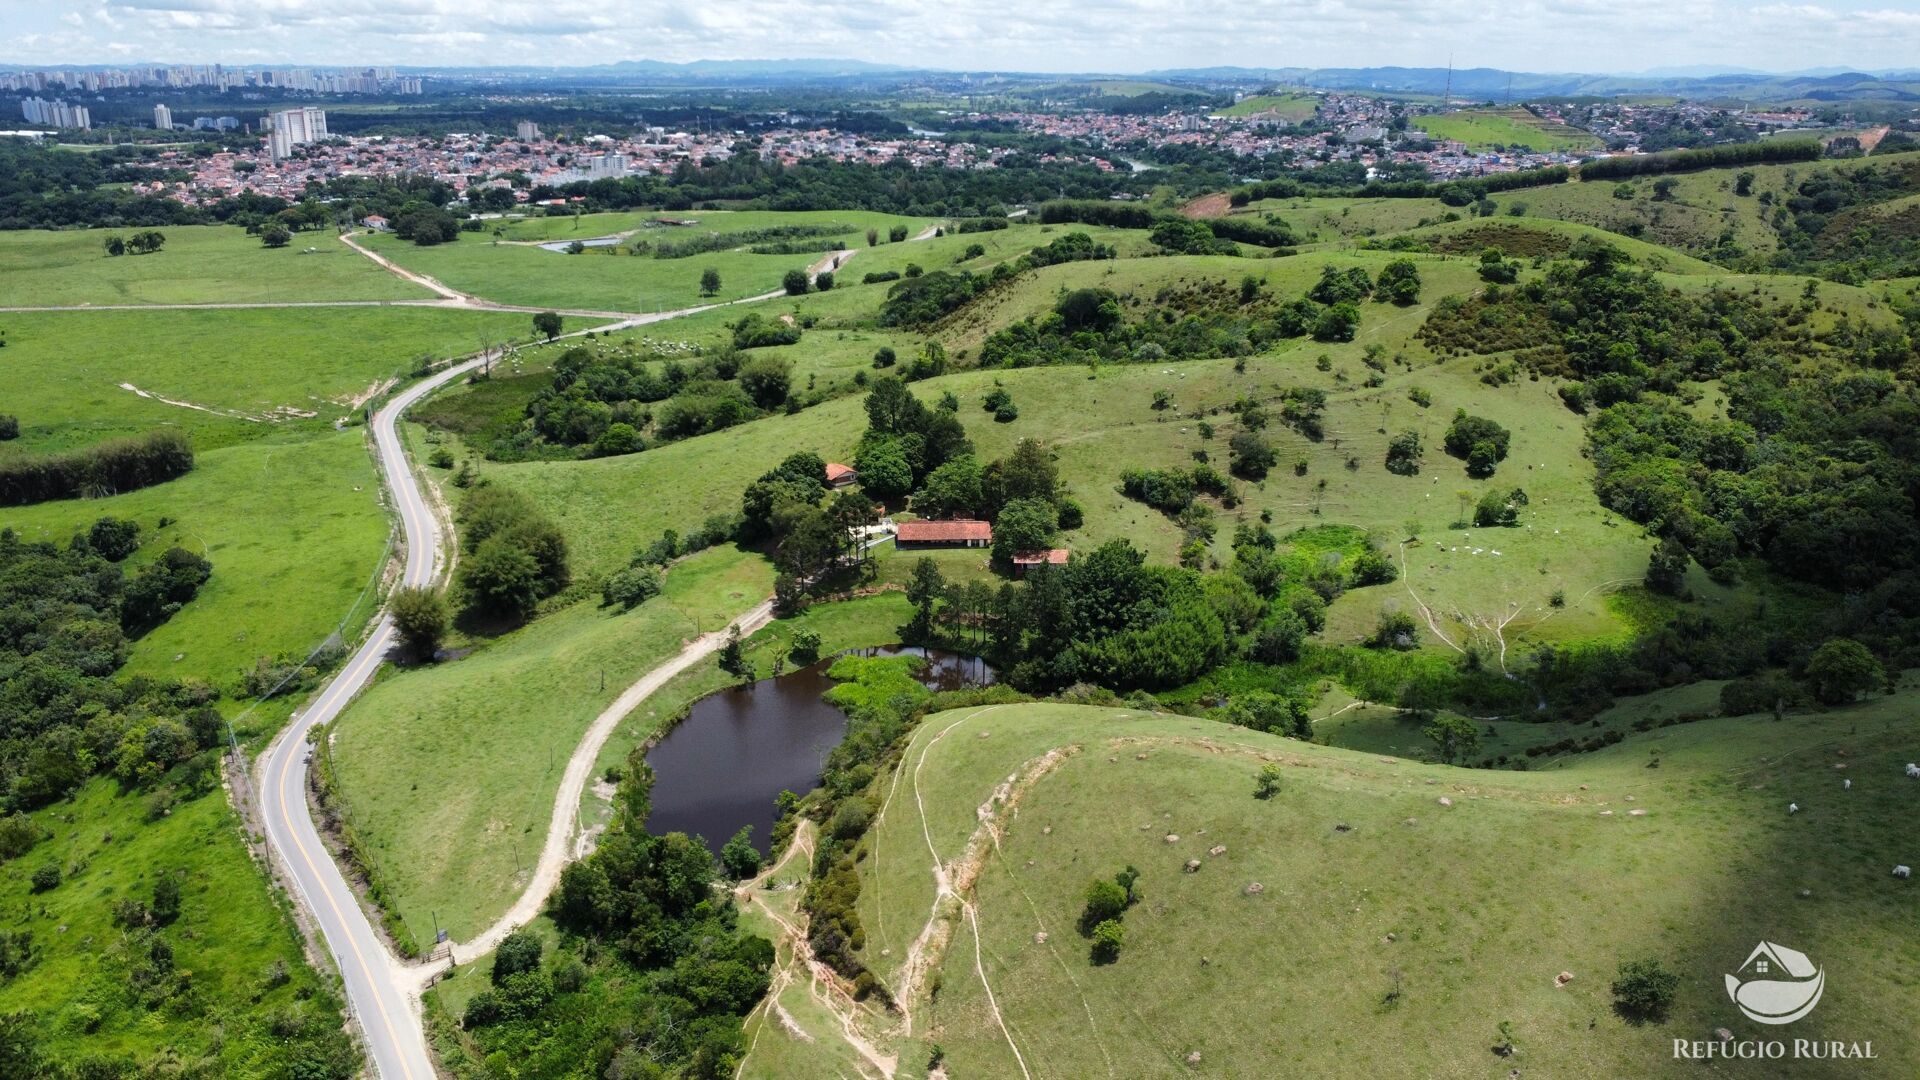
924	589
794	282
952	490
1842	669
501	578
420	618
518	952
1108	937
709	282
113	539
884	470
733	658
1024	525
1404	453
9	426
805	645
767	379
166	899
738	857
114	245
619	438
1481	442
1106	901
1267	784
1643	990
873	237
547	324
823	280
275	236
1399	282
1667	568
1250	456
1499	508
1453	735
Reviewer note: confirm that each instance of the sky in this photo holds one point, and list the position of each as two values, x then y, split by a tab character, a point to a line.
1596	36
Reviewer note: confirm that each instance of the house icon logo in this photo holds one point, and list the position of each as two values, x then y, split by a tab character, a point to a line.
1776	985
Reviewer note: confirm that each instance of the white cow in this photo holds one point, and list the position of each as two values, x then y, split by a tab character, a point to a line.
1913	770
1846	785
1793	808
1902	871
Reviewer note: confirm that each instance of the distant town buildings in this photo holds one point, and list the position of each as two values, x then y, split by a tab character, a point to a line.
527	131
55	114
217	76
162	118
289	128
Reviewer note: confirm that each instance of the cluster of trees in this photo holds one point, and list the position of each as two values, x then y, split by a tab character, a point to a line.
652	974
512	554
1834	222
67	614
108	468
1764	152
1184	235
1107	901
787	508
906	441
1344	183
605	402
140	243
1478	441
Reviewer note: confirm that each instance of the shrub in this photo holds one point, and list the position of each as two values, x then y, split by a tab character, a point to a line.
1267	784
627	588
1250	456
46	878
1404	453
794	282
9	427
738	857
1395	630
519	951
113	539
1108	937
1644	990
1481	442
805	647
1106	902
420	618
108	468
1842	669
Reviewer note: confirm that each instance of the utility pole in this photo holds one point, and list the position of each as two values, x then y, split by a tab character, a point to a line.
1446	95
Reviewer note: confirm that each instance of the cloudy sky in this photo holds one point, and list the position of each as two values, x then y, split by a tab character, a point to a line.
1605	36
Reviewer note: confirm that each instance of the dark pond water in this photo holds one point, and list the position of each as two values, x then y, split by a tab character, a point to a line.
723	766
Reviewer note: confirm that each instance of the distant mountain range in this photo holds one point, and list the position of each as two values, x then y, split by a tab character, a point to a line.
1493	83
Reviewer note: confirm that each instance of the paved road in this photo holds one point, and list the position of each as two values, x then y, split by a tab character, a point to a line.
382	989
396	1042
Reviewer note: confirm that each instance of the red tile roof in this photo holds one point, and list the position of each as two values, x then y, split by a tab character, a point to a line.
837	472
1055	556
948	532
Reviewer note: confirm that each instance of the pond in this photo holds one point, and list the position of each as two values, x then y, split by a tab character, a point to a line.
725	764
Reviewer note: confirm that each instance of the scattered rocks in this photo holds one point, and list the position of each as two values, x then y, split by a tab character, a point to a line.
1145	826
1139	757
1723	1034
1193	866
1444	801
1217	849
1411	821
1193	1060
984	735
1606	813
1806	894
1256	889
1636	813
1113	759
1046	830
1040	938
1583	787
1388	940
1171	838
1431	780
1629	798
1563	978
886	952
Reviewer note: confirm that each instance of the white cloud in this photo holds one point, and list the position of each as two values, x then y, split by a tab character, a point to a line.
1036	35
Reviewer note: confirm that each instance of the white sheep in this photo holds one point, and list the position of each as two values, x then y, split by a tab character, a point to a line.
1793	808
1913	770
1902	871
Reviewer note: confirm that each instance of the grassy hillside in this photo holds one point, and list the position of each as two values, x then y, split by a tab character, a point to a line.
521	273
448	772
224	376
200	264
1292	108
1483	128
1390	932
236	997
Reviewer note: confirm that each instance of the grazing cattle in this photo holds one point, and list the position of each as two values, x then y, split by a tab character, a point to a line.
1793	808
1902	871
1846	785
1913	770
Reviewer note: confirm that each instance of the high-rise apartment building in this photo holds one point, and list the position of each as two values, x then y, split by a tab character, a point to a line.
294	127
162	118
